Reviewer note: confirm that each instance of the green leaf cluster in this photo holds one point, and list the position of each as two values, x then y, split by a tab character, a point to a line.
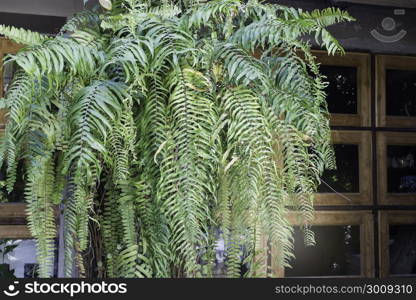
154	124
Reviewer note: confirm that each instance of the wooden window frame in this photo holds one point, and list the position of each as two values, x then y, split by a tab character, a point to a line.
13	211
396	62
387	218
361	61
362	218
6	47
396	139
15	229
364	197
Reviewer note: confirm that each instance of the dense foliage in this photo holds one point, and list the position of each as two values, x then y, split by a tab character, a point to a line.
160	127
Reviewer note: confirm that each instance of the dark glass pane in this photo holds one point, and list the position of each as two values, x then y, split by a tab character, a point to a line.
342	89
345	179
336	253
401	174
403	249
31	271
400	93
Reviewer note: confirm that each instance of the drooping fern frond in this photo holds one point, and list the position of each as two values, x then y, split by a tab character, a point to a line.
95	107
22	36
42	223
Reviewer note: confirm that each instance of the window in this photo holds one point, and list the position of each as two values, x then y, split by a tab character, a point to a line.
348	92
346	177
396	171
17	246
337	249
396	91
344	246
16	249
352	178
18	258
397	236
396	168
375	151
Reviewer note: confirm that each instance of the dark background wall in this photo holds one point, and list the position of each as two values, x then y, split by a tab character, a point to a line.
354	36
357	36
46	16
62	8
39	23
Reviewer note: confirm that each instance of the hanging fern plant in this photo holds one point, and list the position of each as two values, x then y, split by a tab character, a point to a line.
162	126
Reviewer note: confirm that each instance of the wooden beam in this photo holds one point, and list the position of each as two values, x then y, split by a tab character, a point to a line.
14	232
12	210
392	3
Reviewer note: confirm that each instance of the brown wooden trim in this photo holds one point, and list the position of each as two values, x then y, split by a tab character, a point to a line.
362	218
14	232
275	265
397	62
385	219
367	244
364	197
392	138
12	210
362	61
8	46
